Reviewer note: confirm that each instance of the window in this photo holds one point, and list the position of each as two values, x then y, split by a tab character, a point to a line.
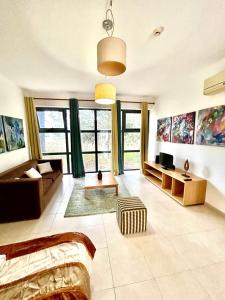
54	134
131	125
95	126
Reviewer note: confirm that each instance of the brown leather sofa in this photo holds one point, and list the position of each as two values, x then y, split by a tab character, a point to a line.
23	198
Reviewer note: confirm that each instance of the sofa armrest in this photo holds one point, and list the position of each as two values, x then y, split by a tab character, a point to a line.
56	164
20	199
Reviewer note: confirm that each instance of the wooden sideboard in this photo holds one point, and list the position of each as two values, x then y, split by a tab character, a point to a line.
173	184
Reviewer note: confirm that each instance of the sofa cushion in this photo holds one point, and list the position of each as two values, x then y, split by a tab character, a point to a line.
44	168
46	184
53	175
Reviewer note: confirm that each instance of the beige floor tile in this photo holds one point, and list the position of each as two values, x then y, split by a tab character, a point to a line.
128	263
201	248
208	219
161	257
175	224
104	295
101	277
97	235
89	220
109	218
212	278
139	291
181	286
41	225
64	224
17	239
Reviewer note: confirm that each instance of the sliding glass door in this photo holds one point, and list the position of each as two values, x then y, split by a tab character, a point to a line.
95	127
131	125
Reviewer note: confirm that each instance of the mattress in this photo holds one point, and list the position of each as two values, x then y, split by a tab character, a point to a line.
52	267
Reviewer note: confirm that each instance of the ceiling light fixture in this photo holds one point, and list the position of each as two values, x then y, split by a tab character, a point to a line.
111	51
157	31
105	93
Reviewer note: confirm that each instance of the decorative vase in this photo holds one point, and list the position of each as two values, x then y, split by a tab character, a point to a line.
99	175
186	168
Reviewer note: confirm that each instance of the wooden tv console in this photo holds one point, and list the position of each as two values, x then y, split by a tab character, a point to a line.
173	184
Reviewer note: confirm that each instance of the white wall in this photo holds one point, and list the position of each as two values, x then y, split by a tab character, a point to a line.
12	104
205	161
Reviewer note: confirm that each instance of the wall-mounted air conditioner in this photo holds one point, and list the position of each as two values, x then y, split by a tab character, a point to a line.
214	84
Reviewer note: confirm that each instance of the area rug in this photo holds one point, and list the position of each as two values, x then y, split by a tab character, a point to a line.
98	201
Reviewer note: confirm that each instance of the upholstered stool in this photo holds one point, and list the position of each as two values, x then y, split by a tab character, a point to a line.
131	215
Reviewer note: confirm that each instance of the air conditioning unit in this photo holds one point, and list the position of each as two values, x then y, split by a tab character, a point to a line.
214	84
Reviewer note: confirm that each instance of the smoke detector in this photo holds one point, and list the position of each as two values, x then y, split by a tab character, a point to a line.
157	31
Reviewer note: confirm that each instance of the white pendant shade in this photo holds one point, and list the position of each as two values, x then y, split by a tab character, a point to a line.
105	93
111	53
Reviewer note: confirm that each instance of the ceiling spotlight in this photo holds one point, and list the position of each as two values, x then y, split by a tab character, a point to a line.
157	31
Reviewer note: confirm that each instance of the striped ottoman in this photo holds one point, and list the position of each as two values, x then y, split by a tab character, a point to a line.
131	215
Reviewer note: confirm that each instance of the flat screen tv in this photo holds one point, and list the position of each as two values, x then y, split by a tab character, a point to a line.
166	160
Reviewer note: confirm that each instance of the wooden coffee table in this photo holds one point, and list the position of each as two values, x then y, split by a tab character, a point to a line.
92	182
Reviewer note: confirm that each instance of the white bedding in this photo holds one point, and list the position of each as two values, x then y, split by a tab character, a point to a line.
22	266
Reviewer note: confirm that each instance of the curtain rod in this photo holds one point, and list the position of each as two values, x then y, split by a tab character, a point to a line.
58	99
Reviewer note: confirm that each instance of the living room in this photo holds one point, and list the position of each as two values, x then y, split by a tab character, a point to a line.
49	58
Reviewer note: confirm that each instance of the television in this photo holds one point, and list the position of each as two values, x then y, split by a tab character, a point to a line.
166	160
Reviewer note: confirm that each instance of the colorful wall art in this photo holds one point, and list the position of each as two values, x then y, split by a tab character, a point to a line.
183	127
2	137
164	129
14	133
211	126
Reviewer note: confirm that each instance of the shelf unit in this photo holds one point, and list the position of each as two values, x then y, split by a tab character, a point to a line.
173	184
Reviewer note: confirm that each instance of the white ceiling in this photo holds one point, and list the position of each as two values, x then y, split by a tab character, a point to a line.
51	44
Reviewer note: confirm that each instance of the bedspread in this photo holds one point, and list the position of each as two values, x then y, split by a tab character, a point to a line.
54	267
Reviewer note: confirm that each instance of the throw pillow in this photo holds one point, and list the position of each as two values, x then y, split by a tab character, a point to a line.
45	168
32	173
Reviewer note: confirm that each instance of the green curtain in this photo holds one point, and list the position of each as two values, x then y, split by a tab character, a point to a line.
115	166
117	158
33	132
120	153
76	151
144	133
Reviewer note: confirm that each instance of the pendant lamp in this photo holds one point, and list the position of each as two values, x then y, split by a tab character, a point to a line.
111	51
105	93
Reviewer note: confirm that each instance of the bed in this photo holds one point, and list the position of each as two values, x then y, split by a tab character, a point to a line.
55	267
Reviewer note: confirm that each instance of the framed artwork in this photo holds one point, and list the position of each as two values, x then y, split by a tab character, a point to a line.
164	129
14	133
2	137
183	128
211	126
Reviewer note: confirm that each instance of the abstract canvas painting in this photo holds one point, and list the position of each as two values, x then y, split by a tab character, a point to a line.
164	129
2	137
211	126
183	128
14	133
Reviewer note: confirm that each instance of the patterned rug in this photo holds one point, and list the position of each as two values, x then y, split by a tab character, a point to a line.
98	201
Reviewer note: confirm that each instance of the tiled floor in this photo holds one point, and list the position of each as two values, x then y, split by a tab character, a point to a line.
182	255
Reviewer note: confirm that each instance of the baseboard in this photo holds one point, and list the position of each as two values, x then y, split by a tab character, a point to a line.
215	209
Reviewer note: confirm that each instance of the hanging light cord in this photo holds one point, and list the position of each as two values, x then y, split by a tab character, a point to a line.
109	16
